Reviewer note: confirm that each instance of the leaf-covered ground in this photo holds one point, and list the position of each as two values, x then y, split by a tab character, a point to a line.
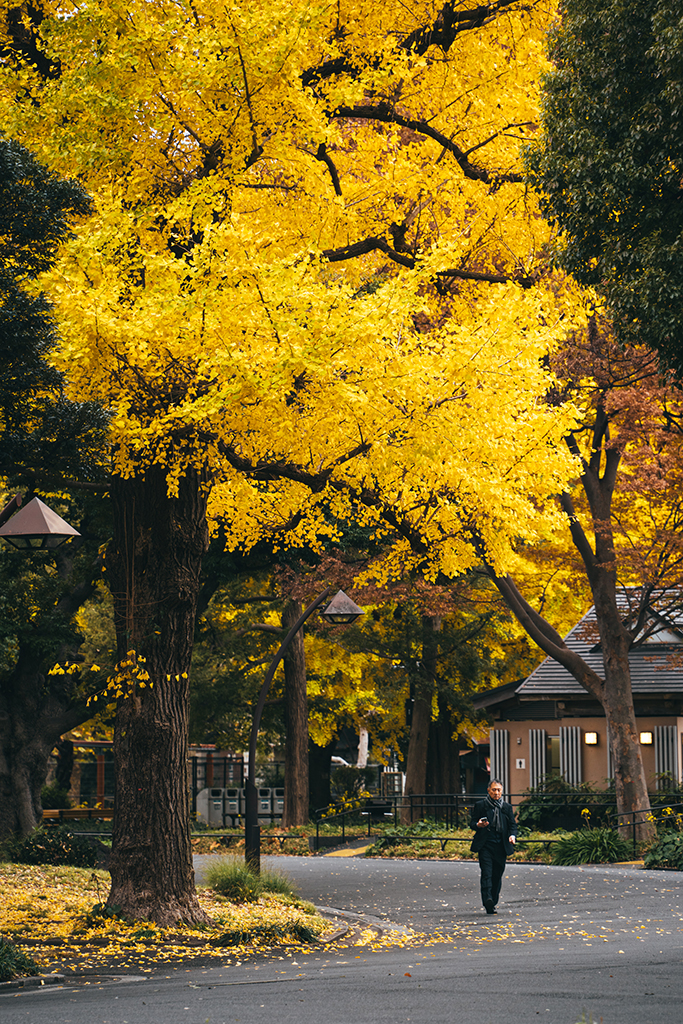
46	911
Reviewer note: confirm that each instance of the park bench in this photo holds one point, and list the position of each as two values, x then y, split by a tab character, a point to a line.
78	814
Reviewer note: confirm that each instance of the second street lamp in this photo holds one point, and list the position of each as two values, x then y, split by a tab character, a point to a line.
341	611
35	526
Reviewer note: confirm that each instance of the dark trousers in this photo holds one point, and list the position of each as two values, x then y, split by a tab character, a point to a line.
492	866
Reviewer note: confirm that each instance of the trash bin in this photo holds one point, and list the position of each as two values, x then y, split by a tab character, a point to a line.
278	802
265	803
233	805
210	807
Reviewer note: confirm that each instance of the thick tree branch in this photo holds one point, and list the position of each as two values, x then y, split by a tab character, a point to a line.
280	469
373	244
325	158
600	431
525	280
450	23
384	112
579	538
545	637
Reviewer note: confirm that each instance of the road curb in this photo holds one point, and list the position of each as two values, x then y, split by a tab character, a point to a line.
357	923
33	981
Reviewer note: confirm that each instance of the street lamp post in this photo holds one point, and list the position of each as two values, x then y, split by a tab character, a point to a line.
341	610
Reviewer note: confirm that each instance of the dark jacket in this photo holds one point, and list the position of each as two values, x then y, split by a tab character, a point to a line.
482	810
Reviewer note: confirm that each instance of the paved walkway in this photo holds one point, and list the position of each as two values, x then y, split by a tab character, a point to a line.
603	942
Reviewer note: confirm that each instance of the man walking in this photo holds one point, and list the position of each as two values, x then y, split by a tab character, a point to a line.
496	834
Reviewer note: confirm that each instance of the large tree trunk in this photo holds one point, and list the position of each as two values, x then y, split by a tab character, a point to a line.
418	743
154	565
296	723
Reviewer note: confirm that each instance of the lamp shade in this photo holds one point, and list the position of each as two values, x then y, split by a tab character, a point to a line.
36	526
341	610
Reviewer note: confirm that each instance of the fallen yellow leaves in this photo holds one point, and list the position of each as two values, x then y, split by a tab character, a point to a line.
47	911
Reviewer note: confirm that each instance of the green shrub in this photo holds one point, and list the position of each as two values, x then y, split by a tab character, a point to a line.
555	803
233	879
54	798
591	846
667	852
53	845
669	790
14	963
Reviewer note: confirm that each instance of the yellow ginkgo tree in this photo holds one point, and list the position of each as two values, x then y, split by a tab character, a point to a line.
314	288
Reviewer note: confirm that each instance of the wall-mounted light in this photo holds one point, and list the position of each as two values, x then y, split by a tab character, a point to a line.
646	739
591	739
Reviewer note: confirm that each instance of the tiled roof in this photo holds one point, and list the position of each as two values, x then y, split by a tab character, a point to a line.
656	665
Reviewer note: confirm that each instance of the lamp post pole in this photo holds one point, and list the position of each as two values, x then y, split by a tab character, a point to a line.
341	609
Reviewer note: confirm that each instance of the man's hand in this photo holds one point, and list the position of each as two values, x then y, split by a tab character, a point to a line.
513	839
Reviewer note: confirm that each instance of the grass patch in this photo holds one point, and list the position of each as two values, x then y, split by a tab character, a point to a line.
232	878
14	963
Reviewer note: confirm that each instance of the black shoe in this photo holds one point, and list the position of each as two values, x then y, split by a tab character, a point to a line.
490	907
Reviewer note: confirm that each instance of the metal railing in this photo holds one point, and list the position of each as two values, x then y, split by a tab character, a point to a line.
632	819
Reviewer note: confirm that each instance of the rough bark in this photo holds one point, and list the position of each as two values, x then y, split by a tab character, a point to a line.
154	564
296	723
418	743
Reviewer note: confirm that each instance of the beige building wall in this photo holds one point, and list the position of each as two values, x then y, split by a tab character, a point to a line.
594	759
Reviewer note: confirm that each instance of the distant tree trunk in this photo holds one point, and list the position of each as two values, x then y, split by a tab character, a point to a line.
296	723
363	746
442	755
418	743
319	773
154	563
65	764
35	710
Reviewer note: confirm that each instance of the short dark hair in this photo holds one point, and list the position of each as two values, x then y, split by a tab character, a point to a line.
495	782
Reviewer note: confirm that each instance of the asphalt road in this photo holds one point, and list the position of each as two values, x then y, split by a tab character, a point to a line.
605	943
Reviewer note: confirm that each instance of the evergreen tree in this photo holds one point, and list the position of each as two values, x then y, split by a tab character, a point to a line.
608	160
43	438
